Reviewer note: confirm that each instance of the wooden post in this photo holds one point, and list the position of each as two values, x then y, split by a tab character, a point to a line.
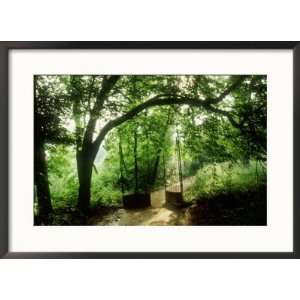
179	162
164	166
121	167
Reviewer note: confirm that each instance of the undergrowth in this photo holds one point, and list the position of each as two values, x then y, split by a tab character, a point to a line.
227	177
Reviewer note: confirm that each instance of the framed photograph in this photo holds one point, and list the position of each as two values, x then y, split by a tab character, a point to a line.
149	149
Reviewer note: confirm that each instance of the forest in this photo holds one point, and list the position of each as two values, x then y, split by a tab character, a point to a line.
150	150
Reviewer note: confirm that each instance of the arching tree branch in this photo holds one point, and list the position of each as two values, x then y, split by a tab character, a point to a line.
158	101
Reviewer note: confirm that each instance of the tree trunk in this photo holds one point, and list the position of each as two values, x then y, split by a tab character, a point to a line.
86	154
42	182
85	162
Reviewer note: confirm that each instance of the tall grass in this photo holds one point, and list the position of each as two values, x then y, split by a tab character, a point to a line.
226	177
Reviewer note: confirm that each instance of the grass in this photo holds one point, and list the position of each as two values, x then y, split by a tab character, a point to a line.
227	177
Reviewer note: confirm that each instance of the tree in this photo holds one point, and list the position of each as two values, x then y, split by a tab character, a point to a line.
172	96
49	107
97	104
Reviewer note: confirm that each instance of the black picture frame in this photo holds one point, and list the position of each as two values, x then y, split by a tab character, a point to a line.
5	47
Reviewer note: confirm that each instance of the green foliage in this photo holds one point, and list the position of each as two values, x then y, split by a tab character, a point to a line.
153	144
209	141
64	182
105	185
52	109
62	176
217	178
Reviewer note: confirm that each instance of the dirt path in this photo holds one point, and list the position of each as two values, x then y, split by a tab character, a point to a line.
157	214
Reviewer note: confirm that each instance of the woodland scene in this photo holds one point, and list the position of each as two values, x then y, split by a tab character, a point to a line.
150	150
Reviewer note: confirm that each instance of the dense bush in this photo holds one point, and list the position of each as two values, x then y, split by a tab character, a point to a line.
105	186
